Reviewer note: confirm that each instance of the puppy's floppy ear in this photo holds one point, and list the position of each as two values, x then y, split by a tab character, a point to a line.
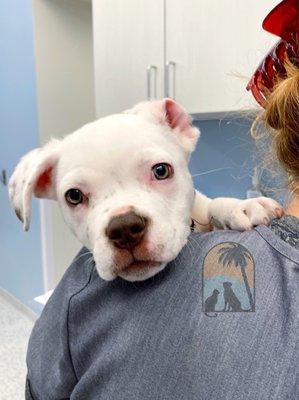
34	175
168	112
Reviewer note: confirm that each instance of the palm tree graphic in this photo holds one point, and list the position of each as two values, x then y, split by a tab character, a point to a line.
239	255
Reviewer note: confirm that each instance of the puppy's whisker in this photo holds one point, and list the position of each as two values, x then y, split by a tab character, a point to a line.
81	255
90	261
190	243
189	247
194	244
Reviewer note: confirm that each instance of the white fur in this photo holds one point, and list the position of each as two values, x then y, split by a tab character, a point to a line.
110	160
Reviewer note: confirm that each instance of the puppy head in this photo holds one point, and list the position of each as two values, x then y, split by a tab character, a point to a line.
123	186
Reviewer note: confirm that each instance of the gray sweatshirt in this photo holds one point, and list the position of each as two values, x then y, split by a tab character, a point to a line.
220	322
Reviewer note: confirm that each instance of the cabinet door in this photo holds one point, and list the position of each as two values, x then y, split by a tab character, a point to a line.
216	45
128	38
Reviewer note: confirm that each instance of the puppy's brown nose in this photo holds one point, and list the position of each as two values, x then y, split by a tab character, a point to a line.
126	231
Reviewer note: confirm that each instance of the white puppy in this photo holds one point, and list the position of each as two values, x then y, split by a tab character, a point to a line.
125	190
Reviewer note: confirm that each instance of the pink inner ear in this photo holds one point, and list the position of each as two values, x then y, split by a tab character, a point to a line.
43	183
176	116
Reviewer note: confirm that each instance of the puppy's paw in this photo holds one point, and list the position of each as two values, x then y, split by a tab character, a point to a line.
244	214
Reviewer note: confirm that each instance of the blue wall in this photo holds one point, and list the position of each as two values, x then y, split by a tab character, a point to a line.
225	145
18	134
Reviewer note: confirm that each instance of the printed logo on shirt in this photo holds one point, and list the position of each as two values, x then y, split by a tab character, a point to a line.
228	279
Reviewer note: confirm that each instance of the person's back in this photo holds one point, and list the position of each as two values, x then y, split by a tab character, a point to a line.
155	340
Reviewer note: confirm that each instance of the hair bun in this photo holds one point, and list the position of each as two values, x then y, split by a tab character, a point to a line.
282	114
282	108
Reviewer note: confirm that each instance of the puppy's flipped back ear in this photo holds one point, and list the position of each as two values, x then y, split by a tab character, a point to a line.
168	112
34	175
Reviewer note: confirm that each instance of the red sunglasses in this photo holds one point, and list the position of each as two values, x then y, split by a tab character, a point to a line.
282	21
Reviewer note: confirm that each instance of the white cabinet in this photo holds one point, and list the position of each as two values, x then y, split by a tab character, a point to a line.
128	46
213	47
216	46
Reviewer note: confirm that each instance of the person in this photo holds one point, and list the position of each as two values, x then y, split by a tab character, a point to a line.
155	339
221	321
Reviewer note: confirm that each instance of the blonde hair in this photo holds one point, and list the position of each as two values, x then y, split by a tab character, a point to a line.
281	115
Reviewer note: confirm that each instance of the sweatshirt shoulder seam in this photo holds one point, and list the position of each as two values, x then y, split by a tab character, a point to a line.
68	314
274	248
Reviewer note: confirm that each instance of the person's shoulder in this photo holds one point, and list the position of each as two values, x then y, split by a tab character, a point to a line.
251	240
74	280
209	238
76	277
48	344
259	241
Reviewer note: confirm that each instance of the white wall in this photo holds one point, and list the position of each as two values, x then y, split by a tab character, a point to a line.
65	91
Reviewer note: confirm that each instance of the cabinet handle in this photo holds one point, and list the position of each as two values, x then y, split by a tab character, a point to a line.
170	70
151	74
3	178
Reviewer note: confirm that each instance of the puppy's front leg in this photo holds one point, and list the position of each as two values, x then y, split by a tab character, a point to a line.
201	213
230	213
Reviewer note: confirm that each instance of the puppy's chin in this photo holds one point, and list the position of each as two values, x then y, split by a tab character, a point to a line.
132	273
139	272
106	274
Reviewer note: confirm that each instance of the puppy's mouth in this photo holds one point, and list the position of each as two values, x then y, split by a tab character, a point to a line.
137	265
129	263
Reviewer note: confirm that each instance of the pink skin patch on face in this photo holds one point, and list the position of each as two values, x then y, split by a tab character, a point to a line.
122	210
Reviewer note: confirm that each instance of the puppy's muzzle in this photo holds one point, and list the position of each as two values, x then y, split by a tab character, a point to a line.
126	231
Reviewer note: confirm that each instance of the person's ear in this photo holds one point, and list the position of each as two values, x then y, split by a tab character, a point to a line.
168	112
34	175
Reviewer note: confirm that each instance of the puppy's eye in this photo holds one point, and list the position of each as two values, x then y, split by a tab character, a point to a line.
74	197
162	171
